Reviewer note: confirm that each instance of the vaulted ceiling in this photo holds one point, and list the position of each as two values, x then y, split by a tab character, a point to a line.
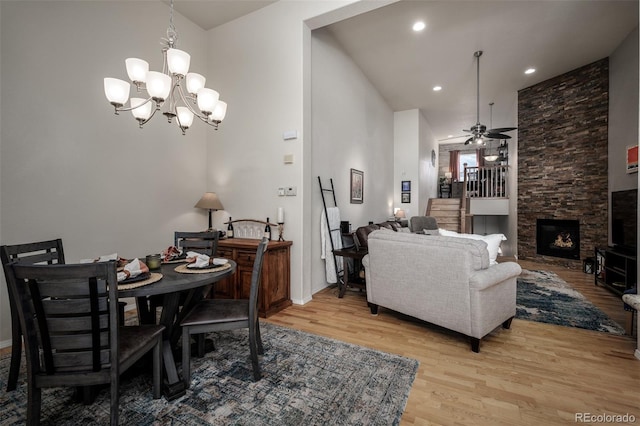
553	37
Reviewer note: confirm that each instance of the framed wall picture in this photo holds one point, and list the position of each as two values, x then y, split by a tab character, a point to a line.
357	186
406	186
632	159
406	197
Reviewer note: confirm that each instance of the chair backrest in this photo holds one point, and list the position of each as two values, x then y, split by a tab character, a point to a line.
49	252
420	223
255	279
201	242
69	326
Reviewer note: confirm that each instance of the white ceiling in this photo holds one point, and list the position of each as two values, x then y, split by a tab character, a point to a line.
552	36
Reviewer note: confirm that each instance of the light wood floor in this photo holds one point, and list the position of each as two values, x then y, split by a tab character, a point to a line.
532	374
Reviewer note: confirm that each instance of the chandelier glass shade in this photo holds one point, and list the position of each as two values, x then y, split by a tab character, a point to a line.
181	93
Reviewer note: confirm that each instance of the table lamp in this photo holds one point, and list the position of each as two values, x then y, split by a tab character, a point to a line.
400	214
209	201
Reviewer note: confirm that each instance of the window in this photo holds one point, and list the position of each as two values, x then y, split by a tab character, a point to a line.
470	159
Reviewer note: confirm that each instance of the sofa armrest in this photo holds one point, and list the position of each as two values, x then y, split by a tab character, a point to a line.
493	275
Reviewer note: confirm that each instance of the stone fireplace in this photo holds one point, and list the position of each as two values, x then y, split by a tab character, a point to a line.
558	238
563	164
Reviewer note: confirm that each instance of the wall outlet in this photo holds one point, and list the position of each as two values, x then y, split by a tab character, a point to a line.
280	192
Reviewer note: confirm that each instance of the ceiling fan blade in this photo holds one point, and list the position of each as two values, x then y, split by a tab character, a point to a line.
502	129
497	136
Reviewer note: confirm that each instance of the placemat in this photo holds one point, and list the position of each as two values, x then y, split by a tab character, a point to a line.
153	277
184	270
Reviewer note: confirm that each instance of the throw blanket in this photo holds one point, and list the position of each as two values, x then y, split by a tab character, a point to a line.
333	213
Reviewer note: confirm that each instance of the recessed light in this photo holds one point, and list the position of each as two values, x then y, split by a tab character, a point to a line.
419	26
530	70
437	88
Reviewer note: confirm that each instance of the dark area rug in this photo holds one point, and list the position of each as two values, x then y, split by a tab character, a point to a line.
544	297
307	380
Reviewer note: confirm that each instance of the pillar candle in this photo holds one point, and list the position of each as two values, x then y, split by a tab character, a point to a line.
280	215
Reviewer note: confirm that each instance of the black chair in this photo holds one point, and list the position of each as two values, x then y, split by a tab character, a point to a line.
225	314
69	316
49	252
201	242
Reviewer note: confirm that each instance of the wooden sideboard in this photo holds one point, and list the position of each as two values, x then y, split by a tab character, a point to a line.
275	287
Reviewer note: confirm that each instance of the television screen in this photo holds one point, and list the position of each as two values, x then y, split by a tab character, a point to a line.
624	219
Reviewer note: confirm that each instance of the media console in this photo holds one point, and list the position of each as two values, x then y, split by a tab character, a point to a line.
615	270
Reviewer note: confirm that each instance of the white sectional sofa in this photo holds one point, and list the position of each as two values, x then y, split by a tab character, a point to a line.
446	281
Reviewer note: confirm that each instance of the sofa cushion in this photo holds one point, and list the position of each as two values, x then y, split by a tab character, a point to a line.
493	241
477	250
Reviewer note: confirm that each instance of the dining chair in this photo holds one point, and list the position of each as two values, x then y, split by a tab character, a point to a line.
49	252
72	332
202	242
210	315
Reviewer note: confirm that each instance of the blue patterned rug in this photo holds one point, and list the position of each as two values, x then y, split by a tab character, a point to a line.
544	297
307	380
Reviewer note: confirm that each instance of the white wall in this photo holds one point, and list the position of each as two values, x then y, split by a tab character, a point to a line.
623	111
352	127
413	142
262	65
428	172
69	167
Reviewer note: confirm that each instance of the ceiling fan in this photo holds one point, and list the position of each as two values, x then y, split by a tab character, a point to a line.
479	131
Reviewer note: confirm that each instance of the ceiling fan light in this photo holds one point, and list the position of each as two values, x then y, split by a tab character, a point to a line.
490	158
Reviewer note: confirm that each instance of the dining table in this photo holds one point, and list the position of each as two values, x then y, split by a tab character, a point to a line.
179	292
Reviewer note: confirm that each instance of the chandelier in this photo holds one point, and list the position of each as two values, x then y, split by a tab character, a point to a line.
167	88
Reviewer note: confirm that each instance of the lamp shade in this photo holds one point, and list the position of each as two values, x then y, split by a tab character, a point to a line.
140	109
209	201
178	61
400	213
158	85
185	117
207	99
195	82
137	69
219	111
116	91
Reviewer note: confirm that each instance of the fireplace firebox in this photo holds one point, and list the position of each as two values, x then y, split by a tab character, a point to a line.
558	238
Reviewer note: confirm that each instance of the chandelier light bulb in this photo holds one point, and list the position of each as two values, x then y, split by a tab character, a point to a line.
137	69
178	61
195	82
185	117
158	85
207	99
219	111
140	109
116	91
